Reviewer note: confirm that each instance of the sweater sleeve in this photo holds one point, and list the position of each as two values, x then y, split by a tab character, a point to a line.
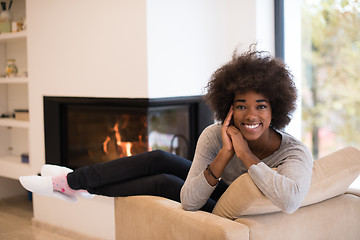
196	190
286	187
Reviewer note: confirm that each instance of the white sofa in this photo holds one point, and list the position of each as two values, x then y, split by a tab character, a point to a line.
330	210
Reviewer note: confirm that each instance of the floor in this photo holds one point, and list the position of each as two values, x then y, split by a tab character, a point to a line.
15	222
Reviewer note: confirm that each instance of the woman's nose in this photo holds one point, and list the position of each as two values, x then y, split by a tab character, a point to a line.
251	114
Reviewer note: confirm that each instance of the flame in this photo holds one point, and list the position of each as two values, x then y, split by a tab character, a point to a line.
105	143
122	149
117	134
128	146
114	147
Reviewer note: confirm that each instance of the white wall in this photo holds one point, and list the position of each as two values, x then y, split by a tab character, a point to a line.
179	62
188	40
88	48
125	48
91	218
265	31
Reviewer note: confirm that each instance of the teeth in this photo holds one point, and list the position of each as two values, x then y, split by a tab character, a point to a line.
252	126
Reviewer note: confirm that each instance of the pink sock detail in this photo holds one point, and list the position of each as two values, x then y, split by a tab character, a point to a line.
60	184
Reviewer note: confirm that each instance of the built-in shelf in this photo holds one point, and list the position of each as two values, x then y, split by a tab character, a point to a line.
12	167
4	37
9	122
14	133
12	80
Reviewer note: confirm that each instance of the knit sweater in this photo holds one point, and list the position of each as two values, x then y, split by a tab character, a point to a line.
286	187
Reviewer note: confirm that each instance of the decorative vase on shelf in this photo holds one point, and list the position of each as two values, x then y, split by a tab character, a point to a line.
5	21
11	69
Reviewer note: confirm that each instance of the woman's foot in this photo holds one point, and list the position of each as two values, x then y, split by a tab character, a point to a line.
55	171
53	182
36	184
43	185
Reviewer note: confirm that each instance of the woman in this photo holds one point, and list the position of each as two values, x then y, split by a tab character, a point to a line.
260	94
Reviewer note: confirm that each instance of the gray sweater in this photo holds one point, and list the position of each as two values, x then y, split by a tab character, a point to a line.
286	187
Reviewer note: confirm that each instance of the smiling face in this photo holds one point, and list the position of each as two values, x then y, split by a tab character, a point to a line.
252	115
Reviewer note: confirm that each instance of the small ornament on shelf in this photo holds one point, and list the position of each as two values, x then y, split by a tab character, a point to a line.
7	115
25	158
22	114
11	68
17	26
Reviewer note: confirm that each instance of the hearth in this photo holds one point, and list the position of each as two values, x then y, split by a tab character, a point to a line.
82	131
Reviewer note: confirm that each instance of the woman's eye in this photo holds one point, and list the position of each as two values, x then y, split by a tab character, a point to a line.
262	107
240	107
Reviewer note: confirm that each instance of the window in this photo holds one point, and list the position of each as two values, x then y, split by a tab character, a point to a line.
326	64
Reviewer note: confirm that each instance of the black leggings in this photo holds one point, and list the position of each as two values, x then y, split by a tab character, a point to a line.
156	173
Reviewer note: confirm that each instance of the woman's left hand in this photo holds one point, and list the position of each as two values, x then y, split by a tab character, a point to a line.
239	143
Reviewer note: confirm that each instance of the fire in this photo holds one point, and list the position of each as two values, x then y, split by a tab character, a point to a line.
122	149
114	145
128	146
117	134
105	143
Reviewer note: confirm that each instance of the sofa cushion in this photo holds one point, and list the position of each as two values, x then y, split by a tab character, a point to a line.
331	177
158	218
332	219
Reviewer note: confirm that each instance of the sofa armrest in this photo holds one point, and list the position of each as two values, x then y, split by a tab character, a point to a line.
150	217
353	191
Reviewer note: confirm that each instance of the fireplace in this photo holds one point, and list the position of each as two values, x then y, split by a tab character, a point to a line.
83	131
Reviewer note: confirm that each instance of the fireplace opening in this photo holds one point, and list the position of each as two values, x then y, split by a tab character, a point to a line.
84	131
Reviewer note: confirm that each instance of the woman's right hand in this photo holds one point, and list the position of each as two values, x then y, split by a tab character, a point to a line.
225	154
227	143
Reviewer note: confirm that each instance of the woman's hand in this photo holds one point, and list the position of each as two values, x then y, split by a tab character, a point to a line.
233	140
239	143
227	143
225	154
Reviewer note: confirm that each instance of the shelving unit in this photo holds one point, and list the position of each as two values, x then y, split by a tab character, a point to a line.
13	80
5	122
14	134
4	37
12	167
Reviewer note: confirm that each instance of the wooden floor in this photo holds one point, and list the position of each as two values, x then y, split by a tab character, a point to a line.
15	222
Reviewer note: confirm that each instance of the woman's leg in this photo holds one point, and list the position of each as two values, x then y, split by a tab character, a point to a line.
162	185
127	169
153	173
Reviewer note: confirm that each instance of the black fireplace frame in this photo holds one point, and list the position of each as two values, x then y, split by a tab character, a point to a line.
200	116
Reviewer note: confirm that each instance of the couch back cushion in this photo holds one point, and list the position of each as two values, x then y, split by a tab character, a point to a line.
331	176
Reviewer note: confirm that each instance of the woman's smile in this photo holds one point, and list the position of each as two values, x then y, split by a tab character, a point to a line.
255	130
251	126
